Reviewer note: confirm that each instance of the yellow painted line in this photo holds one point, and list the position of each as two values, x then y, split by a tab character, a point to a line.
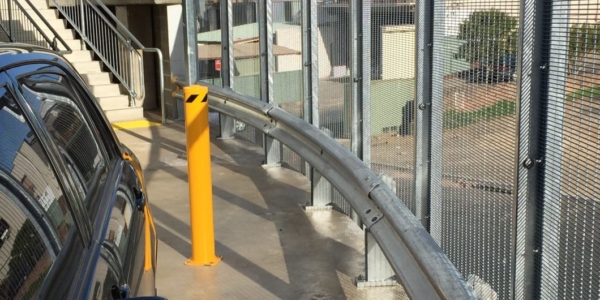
134	124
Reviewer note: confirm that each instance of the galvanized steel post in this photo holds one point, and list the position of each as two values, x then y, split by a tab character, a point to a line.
310	70
227	123
538	166
378	271
265	22
190	44
310	63
429	107
553	159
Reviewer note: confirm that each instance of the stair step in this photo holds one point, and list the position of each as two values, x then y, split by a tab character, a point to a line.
48	14
55	23
124	114
79	56
96	78
105	90
73	44
86	67
113	102
65	34
38	3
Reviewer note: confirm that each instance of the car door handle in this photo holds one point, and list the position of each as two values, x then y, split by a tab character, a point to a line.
140	199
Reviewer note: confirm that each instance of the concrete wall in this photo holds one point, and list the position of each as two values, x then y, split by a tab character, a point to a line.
168	36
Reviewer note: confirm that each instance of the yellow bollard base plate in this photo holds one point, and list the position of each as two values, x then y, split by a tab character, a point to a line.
215	261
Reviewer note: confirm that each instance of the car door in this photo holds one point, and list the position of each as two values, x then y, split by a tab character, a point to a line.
101	179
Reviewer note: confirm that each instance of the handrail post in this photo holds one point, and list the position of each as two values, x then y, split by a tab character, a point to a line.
82	20
10	35
131	75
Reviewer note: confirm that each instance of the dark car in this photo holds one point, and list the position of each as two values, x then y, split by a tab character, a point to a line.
501	70
74	218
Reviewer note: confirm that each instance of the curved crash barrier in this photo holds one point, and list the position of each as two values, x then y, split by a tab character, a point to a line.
419	263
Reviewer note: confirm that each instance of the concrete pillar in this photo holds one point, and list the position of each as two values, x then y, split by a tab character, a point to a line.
169	38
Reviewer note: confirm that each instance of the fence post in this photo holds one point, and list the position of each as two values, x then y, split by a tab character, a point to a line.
310	62
538	167
423	110
227	123
265	23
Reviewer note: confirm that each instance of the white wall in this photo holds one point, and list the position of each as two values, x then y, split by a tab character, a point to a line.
292	38
176	47
398	52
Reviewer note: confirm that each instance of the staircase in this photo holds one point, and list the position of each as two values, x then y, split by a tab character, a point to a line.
112	97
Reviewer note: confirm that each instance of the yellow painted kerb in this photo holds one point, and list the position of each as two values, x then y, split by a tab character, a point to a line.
134	124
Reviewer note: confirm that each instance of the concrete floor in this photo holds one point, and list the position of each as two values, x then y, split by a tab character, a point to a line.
271	247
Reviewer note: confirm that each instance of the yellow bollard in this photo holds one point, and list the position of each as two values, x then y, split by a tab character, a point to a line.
199	177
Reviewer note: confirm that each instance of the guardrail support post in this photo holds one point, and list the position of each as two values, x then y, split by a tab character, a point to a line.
190	44
378	271
227	123
265	23
199	176
321	189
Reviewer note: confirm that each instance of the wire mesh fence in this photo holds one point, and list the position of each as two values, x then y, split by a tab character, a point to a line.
491	62
570	230
392	96
475	61
287	76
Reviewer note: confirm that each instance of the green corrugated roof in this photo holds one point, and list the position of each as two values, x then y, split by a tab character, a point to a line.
240	33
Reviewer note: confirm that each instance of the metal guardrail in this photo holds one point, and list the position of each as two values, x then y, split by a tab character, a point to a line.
20	27
114	44
420	264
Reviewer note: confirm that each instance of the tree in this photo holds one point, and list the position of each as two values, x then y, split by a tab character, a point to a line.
490	35
584	39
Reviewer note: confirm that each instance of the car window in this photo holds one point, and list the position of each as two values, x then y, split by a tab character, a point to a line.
24	257
54	101
23	158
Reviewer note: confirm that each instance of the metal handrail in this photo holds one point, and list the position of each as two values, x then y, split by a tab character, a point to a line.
9	32
100	29
420	264
56	35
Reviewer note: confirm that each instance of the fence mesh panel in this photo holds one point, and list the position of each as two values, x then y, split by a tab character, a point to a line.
570	232
474	63
392	96
335	101
247	67
287	78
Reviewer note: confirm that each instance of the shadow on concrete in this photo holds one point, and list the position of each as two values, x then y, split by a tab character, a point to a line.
312	262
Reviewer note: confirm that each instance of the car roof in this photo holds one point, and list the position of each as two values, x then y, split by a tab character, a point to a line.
15	53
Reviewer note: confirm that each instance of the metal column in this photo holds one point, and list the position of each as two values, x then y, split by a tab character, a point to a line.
190	42
553	159
424	36
265	22
356	75
310	62
429	115
227	123
533	163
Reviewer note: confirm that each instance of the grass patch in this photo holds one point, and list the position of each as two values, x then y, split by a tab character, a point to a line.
455	119
589	92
